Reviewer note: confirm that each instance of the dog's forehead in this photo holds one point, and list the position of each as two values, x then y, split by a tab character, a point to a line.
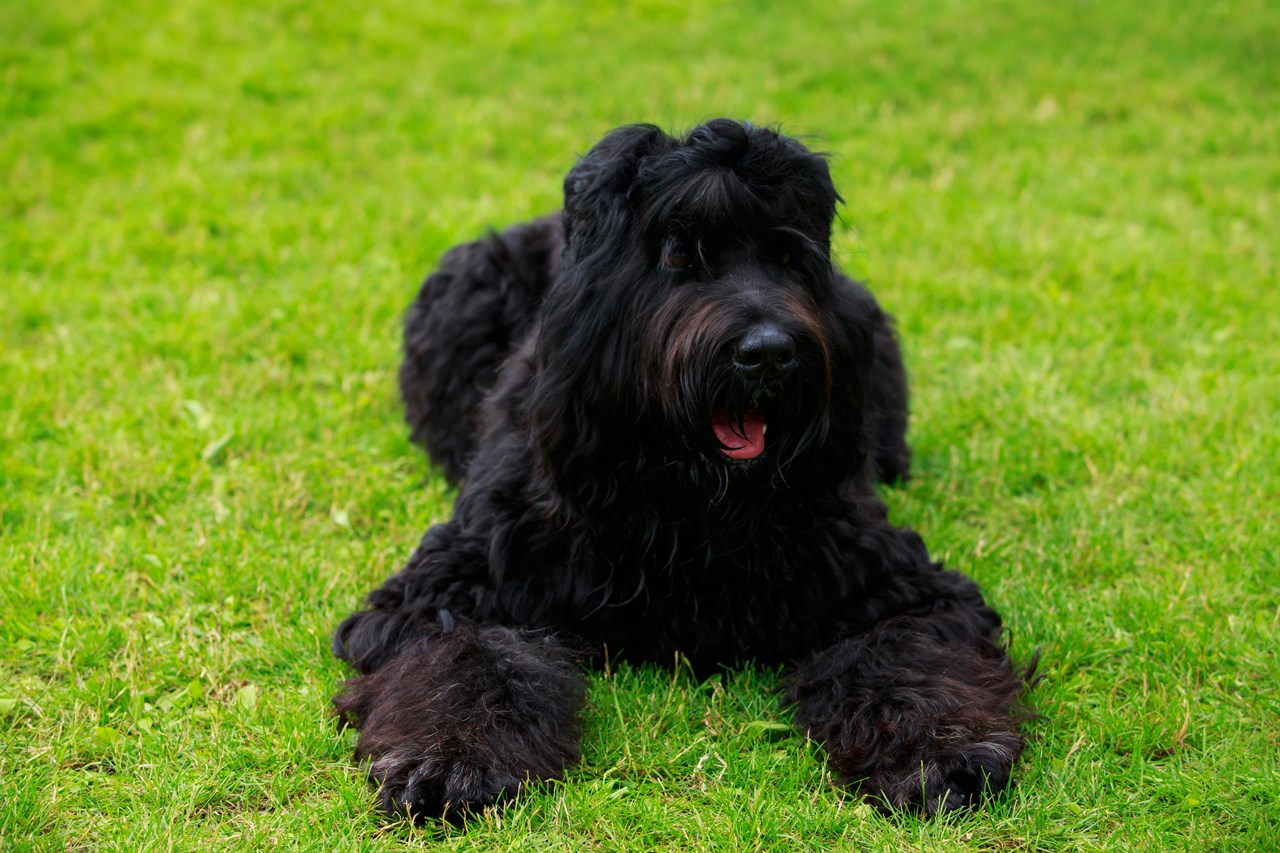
760	181
720	203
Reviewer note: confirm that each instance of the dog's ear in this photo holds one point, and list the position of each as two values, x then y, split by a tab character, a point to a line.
595	190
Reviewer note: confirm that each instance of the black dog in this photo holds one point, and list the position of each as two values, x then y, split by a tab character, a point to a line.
601	382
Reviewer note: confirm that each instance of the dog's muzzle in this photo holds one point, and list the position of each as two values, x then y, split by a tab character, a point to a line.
766	353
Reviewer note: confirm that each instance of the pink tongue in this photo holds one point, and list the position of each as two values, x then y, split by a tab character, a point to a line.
740	442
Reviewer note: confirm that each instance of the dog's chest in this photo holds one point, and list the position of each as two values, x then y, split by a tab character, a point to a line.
716	599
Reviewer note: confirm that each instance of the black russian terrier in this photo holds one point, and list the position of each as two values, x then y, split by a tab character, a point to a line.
667	412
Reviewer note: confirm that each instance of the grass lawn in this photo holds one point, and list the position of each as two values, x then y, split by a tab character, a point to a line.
212	215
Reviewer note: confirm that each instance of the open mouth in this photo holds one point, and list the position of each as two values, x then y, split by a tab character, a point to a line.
740	438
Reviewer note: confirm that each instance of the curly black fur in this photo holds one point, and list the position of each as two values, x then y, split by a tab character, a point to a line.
600	381
427	717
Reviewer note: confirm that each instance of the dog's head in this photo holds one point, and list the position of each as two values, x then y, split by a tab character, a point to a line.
698	321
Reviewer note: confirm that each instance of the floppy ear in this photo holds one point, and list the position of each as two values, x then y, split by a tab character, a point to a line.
595	190
578	397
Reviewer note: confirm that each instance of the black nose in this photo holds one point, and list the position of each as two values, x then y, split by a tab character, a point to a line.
765	352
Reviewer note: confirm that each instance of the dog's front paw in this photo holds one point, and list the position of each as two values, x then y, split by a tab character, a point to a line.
464	717
914	723
421	787
947	776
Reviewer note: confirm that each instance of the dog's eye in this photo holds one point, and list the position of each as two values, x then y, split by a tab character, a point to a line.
676	257
784	252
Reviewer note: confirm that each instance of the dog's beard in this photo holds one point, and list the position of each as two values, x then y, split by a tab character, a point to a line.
705	404
741	426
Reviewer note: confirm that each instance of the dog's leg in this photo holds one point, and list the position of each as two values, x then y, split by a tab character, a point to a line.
922	708
465	715
454	712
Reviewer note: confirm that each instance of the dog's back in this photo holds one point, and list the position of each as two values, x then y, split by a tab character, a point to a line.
468	315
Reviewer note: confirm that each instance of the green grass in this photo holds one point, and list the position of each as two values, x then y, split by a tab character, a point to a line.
211	216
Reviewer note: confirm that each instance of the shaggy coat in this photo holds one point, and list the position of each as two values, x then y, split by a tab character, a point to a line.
667	411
